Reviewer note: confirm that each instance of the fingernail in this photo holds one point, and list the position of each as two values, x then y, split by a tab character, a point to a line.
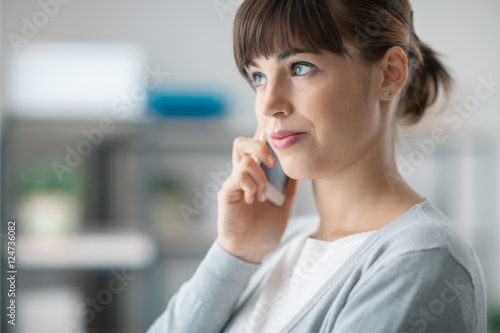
251	199
263	197
271	160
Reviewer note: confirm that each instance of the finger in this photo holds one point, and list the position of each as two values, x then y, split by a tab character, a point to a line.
247	177
257	175
259	136
266	128
251	147
237	186
247	184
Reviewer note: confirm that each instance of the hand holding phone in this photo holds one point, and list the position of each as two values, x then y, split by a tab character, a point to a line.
249	226
277	180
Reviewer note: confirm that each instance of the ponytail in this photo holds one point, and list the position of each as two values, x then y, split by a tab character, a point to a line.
427	75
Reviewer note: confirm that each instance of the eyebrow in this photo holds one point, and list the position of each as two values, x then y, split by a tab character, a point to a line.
280	57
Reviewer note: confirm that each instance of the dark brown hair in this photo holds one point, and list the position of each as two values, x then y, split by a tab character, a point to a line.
267	27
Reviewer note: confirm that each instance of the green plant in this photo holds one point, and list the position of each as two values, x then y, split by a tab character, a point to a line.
40	177
169	181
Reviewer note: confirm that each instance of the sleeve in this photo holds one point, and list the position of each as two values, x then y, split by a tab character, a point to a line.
206	302
424	291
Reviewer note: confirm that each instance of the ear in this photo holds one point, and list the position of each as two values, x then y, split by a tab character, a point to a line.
395	72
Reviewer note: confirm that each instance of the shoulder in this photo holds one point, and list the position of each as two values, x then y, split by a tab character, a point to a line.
427	289
425	254
424	242
424	228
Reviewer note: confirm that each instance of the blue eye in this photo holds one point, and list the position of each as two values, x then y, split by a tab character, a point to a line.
258	79
302	68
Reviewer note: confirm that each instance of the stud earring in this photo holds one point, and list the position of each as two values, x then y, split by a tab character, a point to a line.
387	94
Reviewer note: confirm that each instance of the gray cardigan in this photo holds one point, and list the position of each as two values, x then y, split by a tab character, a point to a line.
416	274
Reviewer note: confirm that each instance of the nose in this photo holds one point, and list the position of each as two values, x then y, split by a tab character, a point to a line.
274	100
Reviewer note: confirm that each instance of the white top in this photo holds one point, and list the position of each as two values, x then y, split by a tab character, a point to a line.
303	268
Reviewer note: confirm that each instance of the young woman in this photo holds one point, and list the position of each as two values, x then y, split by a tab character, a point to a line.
333	80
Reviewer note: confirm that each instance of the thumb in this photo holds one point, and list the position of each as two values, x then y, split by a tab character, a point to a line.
259	134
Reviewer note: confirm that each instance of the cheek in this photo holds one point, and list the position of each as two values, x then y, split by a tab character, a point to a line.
341	113
333	106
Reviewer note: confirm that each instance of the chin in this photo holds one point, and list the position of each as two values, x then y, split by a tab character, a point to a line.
297	171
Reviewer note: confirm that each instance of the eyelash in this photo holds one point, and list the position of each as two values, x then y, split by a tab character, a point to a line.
291	65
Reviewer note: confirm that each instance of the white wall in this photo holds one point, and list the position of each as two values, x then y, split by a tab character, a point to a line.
192	41
186	38
466	34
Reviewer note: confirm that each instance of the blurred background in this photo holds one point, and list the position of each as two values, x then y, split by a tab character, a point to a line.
117	122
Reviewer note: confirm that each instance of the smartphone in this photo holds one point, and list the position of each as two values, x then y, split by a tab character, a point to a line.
277	181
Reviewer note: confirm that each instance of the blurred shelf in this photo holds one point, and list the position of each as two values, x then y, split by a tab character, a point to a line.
86	252
192	136
176	239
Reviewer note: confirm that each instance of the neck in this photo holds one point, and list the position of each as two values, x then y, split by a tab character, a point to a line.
366	195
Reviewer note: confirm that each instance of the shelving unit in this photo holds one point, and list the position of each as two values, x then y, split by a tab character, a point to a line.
86	252
117	230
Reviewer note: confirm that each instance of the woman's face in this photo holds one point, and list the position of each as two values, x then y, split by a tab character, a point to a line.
330	98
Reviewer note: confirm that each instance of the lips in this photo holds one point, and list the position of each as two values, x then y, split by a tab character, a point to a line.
283	139
283	133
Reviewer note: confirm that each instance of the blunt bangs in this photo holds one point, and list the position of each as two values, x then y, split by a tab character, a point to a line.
265	28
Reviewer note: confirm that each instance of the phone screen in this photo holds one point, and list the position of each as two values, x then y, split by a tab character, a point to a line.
275	176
